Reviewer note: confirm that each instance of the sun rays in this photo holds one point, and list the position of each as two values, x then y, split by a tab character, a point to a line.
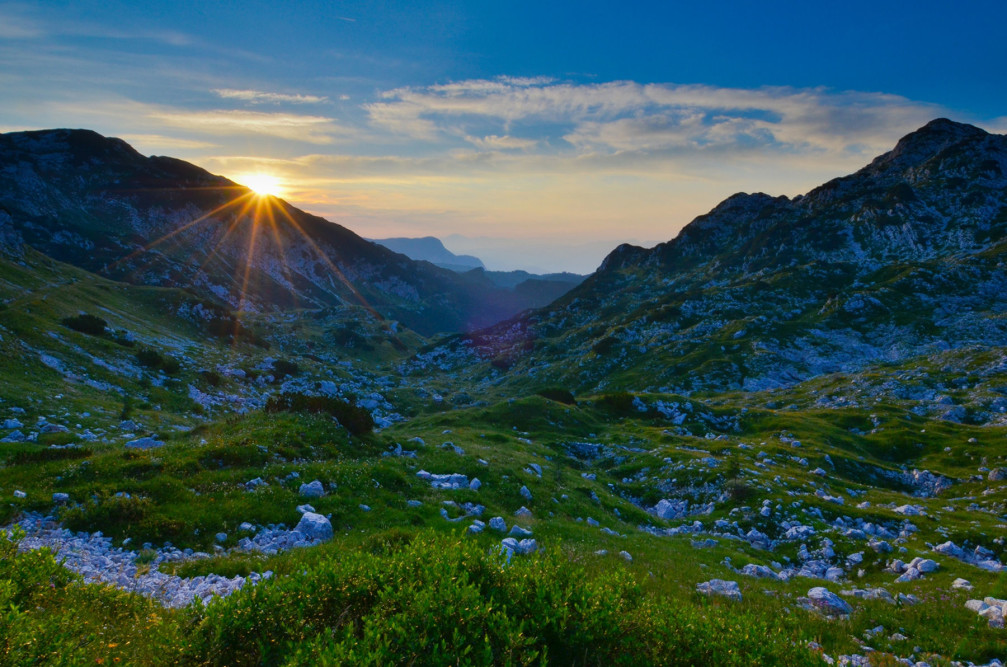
266	231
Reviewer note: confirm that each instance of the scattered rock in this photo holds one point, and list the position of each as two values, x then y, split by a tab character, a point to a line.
144	443
312	490
728	589
824	601
314	526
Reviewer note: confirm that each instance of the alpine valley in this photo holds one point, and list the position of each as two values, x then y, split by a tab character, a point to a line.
235	433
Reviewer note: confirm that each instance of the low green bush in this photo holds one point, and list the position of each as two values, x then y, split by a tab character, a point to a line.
558	394
157	361
86	324
440	601
353	418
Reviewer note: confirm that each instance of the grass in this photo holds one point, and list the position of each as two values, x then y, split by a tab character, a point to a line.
399	578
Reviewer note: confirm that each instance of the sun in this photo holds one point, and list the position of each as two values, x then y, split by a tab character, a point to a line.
263	184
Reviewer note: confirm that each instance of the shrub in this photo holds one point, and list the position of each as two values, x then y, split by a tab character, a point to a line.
87	324
213	378
439	601
283	368
604	346
619	403
558	394
353	418
155	360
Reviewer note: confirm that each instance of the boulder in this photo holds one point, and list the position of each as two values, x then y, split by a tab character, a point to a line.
314	526
761	571
498	524
518	531
312	489
144	443
826	602
727	589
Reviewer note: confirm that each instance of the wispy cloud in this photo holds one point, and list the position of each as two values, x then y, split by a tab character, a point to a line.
294	127
505	142
629	116
261	97
150	142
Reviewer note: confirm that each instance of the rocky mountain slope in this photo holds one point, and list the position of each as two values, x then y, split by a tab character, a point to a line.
96	203
901	259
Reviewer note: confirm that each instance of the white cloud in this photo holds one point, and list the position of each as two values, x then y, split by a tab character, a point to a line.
495	142
628	116
149	142
310	129
261	97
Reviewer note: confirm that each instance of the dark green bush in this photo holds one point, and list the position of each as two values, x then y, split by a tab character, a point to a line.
440	601
155	360
113	515
283	368
87	324
213	378
353	418
619	403
604	346
558	394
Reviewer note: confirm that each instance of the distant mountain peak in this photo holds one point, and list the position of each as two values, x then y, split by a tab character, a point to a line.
430	249
928	141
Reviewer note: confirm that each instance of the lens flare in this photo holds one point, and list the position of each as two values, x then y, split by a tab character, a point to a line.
263	184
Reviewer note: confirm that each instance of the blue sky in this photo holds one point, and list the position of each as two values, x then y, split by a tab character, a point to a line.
537	135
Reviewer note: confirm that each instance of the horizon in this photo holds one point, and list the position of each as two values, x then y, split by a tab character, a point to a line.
535	138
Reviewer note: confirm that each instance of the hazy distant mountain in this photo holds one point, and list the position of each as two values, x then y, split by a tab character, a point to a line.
535	290
96	203
430	249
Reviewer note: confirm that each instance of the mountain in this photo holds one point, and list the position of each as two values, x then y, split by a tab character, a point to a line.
431	249
96	203
768	440
533	290
902	259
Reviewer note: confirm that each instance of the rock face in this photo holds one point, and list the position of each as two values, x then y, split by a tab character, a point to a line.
314	526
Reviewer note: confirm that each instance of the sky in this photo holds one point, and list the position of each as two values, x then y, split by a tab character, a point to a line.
536	135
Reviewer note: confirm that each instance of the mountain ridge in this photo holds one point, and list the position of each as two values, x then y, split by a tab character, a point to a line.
901	258
97	203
